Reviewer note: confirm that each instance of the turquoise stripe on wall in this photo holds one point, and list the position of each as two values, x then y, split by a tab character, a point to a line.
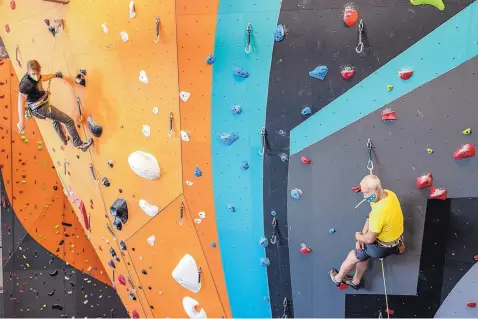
240	231
445	48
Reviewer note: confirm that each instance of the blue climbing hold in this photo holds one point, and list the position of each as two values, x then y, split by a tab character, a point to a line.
306	111
263	242
228	138
197	172
231	208
213	245
331	230
319	72
280	33
296	193
266	299
265	261
236	109
122	245
284	157
210	59
273	213
111	264
240	72
245	165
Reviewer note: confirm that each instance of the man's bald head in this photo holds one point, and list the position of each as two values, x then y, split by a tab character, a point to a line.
370	184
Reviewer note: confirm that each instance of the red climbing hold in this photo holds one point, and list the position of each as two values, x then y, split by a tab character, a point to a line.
305	160
7	28
305	249
357	188
135	314
476	257
388	115
405	74
437	193
350	16
471	305
122	280
4	204
347	72
13	5
86	221
467	150
389	311
424	181
342	286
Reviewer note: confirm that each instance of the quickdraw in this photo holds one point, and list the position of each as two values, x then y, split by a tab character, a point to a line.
181	213
170	124
264	140
249	33
359	48
199	275
370	161
157	30
286	308
274	229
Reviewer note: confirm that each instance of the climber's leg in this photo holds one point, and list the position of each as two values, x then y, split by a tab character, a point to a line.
347	266
60	132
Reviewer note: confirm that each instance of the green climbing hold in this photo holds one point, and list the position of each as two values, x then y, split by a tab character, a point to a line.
436	3
429	150
389	87
467	131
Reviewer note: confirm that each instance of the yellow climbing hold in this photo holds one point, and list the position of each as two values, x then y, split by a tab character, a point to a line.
23	137
57	226
436	3
467	131
26	140
24	257
20	248
39	147
40	143
389	87
28	265
23	182
429	150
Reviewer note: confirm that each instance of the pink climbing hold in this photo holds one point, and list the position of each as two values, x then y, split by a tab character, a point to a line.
13	5
347	72
135	314
122	280
305	160
405	74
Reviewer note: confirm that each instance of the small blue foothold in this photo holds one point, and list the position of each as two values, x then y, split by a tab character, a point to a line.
280	33
240	72
197	172
319	72
210	59
266	299
273	213
236	109
228	138
306	111
213	245
284	157
264	242
332	230
296	193
245	165
265	261
231	208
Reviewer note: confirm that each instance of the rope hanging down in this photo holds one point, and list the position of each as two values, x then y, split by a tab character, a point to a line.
385	289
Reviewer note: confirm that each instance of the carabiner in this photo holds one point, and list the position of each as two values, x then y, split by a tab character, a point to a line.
181	213
157	30
170	124
249	32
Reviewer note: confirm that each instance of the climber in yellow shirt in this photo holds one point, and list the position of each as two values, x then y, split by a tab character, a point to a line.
382	234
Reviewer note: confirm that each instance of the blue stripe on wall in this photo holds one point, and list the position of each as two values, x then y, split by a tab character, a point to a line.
240	231
445	48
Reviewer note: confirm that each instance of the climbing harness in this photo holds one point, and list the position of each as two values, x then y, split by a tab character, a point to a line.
170	124
370	162
385	289
249	33
181	213
359	48
274	229
157	30
264	140
286	308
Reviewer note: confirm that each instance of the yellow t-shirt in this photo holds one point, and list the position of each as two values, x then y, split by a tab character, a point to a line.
386	218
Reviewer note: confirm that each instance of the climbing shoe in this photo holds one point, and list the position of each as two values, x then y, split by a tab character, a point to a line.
349	282
332	273
86	145
95	129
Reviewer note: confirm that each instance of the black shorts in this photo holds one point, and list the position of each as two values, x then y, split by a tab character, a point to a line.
375	251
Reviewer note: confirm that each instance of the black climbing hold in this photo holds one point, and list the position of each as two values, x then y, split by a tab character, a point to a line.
117	223
132	296
144	272
111	264
47	22
122	245
105	182
53	274
94	127
120	191
149	287
51	293
57	307
119	209
61	242
110	164
113	254
55	187
72	284
58	250
80	78
66	224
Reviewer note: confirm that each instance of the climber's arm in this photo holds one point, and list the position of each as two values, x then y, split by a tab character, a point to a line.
366	238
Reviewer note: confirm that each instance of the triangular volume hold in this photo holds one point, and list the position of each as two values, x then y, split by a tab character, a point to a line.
192	309
186	274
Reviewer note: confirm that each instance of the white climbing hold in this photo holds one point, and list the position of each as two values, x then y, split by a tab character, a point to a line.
105	28
151	239
155	110
189	183
144	165
198	221
190	306
184	136
202	214
184	95
186	274
143	77
146	130
124	36
148	208
132	11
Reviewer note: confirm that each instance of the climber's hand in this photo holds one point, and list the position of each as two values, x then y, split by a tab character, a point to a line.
20	126
59	75
359	245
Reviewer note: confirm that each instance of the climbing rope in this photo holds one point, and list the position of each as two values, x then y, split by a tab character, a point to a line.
385	289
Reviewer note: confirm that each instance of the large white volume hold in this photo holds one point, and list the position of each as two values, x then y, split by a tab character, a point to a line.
124	36
189	305
146	130
143	77
132	11
151	239
184	95
186	274
105	28
144	164
148	208
184	136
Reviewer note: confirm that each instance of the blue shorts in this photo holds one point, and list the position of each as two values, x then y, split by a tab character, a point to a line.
375	251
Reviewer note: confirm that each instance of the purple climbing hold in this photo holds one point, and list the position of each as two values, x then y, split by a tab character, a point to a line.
228	138
296	193
240	72
213	245
280	33
284	157
245	165
265	261
263	242
111	264
319	72
231	208
197	172
210	59
236	109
